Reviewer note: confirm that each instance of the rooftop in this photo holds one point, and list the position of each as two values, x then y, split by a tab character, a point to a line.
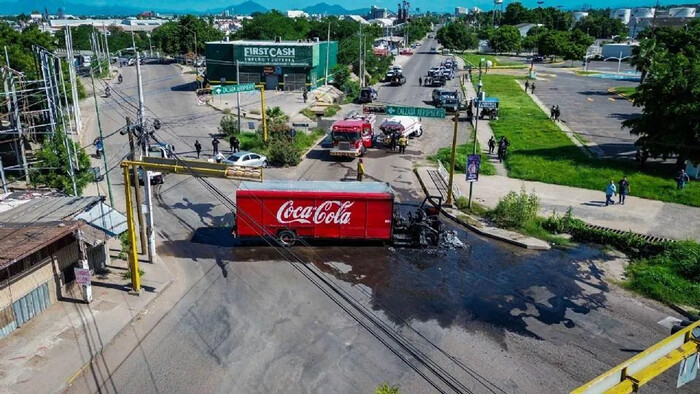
318	186
21	239
267	43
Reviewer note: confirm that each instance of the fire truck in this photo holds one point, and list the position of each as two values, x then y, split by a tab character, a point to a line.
402	126
293	210
352	135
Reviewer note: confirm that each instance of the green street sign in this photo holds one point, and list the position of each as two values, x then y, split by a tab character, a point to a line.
225	89
421	112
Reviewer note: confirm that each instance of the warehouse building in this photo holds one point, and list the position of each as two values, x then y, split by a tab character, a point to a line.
279	65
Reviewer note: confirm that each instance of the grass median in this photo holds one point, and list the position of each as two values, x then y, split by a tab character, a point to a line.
474	58
540	151
445	154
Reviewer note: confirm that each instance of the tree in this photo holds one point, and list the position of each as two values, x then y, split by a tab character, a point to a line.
642	56
601	26
54	167
670	95
179	37
516	13
552	43
457	36
341	74
505	39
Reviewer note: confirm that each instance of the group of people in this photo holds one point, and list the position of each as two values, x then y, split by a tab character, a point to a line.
400	140
554	113
530	86
234	141
503	145
622	190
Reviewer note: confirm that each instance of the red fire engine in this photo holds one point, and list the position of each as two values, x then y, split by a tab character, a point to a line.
290	210
352	135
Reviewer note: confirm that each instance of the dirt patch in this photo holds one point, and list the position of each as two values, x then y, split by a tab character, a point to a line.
35	361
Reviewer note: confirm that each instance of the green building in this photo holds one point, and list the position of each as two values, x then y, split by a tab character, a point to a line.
284	65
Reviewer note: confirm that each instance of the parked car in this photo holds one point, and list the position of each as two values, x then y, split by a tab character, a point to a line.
440	95
538	58
157	177
397	69
245	159
445	51
407	51
398	80
453	104
433	51
367	95
389	75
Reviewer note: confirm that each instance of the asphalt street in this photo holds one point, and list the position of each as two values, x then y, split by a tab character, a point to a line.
241	318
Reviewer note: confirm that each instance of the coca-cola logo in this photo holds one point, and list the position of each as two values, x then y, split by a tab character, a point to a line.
328	212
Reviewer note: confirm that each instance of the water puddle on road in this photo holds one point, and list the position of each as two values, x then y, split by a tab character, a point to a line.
487	281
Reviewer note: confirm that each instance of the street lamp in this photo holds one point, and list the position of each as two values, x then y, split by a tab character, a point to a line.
619	60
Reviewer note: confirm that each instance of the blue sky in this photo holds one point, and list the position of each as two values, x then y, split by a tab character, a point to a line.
433	5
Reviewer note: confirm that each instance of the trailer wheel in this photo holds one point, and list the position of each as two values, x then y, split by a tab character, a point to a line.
419	132
287	238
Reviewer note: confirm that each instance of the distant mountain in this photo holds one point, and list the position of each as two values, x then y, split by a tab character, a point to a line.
247	8
335	9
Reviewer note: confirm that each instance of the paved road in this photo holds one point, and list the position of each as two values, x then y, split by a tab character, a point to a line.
241	319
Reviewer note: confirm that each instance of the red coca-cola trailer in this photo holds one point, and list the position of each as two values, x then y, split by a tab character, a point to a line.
289	210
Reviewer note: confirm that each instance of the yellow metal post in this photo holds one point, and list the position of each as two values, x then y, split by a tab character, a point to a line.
264	116
133	257
452	161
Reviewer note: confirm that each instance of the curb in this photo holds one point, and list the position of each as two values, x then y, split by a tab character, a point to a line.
472	227
624	96
95	356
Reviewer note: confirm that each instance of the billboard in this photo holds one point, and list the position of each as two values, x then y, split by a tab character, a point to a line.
274	55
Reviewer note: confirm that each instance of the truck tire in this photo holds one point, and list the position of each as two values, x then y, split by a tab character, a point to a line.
419	132
287	238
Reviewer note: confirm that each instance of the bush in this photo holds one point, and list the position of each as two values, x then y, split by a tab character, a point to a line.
127	275
283	152
125	244
229	125
516	209
386	389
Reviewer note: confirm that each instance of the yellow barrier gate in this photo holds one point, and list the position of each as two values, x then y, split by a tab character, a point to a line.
639	370
173	166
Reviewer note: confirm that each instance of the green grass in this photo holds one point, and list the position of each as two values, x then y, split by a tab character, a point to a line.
582	73
624	90
254	143
445	154
540	151
474	59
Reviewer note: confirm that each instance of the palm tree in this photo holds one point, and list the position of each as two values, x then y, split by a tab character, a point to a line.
642	56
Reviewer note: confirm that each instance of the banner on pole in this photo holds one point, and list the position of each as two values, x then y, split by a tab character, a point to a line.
473	164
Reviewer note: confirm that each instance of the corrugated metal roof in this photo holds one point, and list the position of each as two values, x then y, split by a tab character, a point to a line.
319	186
19	240
49	209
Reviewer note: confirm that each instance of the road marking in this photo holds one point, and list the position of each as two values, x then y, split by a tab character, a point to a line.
669	322
589	99
611	99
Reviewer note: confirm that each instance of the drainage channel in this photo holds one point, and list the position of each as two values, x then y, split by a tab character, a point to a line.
648	238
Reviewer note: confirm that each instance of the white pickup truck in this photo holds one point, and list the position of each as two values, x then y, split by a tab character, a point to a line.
402	125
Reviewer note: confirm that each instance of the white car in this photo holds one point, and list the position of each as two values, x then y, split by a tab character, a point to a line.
397	69
244	159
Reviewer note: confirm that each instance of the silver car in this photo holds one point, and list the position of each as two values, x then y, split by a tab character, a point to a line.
246	159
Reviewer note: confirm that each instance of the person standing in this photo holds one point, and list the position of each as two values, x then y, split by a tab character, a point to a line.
197	147
305	95
681	179
235	144
403	141
624	189
609	193
393	141
532	88
557	113
215	145
552	111
360	170
527	86
420	81
492	145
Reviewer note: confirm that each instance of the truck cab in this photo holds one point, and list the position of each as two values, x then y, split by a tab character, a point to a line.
407	126
352	135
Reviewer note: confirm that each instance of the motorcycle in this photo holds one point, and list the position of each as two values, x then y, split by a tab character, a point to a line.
107	92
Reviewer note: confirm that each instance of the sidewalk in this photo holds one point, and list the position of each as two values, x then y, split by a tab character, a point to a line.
649	217
47	353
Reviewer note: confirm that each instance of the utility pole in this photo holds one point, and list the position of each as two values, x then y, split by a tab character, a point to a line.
104	31
359	62
328	49
20	133
476	127
264	115
53	70
137	187
73	79
452	159
104	152
2	177
238	95
66	113
147	174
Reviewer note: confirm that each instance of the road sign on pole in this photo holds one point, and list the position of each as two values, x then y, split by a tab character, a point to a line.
421	112
246	87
